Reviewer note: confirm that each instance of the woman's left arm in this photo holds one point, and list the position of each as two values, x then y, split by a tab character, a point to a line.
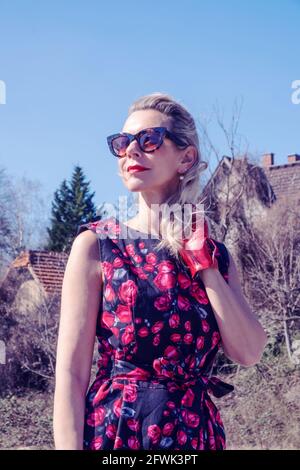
243	337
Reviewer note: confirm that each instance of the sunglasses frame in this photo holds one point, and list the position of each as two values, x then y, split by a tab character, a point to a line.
164	132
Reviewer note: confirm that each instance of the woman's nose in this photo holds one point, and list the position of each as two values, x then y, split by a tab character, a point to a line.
133	149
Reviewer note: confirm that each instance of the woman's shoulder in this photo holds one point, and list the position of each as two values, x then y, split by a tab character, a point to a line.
103	227
100	227
85	255
89	235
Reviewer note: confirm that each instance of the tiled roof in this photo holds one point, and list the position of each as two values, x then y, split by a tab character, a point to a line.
285	180
47	267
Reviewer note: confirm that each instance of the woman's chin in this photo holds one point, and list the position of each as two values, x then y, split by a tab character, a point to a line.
136	186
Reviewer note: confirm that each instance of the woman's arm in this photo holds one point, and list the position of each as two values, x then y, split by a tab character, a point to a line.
243	338
80	302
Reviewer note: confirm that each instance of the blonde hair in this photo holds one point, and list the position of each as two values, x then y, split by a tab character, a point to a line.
183	126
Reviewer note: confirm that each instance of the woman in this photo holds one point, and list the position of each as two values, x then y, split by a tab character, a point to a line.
160	306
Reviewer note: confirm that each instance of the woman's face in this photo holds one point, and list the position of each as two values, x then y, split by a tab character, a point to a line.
163	165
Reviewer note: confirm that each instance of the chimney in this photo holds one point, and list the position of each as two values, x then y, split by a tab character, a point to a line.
293	158
268	159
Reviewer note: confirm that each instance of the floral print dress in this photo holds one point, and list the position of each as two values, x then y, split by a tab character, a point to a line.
157	340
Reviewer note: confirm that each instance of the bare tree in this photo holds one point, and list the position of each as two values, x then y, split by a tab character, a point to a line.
6	228
235	177
23	216
29	330
263	236
269	251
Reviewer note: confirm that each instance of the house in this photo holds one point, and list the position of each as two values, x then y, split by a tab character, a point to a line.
240	189
33	276
284	178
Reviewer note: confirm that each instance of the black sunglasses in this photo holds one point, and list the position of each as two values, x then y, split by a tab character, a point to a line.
149	140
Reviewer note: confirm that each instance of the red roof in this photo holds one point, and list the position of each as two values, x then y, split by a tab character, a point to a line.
47	267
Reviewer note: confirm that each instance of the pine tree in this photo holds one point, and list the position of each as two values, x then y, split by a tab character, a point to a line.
73	205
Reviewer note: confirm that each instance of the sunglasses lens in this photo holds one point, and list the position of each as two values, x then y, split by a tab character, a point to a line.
150	140
120	145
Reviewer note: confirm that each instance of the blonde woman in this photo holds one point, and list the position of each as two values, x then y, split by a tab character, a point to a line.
160	304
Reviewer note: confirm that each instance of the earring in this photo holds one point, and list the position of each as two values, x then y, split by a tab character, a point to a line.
181	177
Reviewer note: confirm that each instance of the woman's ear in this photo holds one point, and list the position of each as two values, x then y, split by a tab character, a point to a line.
187	158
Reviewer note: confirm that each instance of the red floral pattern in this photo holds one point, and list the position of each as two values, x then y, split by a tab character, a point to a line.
157	340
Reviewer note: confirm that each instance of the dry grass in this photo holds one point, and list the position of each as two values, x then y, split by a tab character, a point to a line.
26	421
263	412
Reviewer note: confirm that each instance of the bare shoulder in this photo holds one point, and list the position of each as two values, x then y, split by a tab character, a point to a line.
85	253
87	240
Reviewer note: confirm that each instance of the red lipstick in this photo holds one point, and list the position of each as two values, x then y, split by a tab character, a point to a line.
134	168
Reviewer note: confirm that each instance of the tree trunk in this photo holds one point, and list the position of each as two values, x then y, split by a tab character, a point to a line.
287	340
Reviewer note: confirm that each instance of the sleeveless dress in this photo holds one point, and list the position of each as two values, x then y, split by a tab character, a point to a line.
157	340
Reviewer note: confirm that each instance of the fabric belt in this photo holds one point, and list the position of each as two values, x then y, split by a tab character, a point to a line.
124	373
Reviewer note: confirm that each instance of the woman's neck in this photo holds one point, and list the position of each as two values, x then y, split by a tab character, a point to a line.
144	224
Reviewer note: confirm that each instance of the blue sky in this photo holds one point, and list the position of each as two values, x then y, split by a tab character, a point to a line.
72	69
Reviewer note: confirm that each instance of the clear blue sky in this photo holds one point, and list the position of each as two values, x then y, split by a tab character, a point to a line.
72	68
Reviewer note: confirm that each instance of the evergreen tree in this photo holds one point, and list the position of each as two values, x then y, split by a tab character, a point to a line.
73	205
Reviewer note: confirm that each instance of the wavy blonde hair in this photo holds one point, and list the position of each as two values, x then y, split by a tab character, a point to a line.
183	126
